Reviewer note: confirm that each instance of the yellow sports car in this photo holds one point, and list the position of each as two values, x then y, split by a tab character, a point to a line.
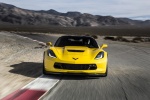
75	55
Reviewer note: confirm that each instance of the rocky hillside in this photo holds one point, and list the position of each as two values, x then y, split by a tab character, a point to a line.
13	15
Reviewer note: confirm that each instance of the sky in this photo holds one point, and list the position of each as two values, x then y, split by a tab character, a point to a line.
139	9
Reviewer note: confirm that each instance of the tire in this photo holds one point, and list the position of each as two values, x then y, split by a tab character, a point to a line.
102	75
43	69
106	73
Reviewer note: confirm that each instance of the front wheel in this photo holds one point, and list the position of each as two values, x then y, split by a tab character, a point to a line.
43	69
106	73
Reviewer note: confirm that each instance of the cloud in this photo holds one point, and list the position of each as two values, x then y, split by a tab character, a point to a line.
117	8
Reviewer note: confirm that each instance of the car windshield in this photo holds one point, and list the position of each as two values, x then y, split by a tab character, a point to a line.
76	41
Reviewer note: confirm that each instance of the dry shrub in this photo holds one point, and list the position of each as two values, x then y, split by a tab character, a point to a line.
87	34
137	40
122	39
140	39
119	38
95	36
109	38
146	39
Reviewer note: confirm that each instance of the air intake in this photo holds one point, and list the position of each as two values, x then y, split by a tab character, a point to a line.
75	50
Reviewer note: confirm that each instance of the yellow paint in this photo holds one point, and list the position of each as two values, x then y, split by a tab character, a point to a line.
86	57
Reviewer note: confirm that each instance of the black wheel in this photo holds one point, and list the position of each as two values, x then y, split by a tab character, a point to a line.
102	75
106	73
43	69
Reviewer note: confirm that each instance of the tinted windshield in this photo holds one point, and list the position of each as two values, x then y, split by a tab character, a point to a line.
76	41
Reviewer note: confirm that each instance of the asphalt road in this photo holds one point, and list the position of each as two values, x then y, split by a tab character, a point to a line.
128	76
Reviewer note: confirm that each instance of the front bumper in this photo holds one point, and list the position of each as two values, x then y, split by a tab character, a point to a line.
80	74
99	66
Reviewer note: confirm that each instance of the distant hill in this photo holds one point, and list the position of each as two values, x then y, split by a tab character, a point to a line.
10	14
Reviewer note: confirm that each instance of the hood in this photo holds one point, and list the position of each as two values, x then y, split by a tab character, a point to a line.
75	53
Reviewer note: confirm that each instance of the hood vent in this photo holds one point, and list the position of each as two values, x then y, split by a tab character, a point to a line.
75	50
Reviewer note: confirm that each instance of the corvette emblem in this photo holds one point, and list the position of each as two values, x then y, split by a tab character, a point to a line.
75	58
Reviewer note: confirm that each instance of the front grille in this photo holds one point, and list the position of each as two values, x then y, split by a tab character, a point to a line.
75	66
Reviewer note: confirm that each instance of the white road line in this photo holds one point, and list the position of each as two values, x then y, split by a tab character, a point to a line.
49	89
41	83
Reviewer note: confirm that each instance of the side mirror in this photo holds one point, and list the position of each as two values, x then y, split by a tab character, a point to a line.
49	43
104	46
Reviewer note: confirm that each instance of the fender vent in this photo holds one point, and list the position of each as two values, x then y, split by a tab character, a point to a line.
75	50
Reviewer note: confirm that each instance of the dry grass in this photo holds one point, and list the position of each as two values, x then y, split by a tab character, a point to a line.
102	31
123	39
109	38
95	36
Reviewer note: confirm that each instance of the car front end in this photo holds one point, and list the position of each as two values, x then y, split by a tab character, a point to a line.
82	60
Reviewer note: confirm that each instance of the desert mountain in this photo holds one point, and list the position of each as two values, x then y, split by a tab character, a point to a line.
13	15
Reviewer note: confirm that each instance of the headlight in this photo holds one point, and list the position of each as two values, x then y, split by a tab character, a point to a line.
51	53
100	55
